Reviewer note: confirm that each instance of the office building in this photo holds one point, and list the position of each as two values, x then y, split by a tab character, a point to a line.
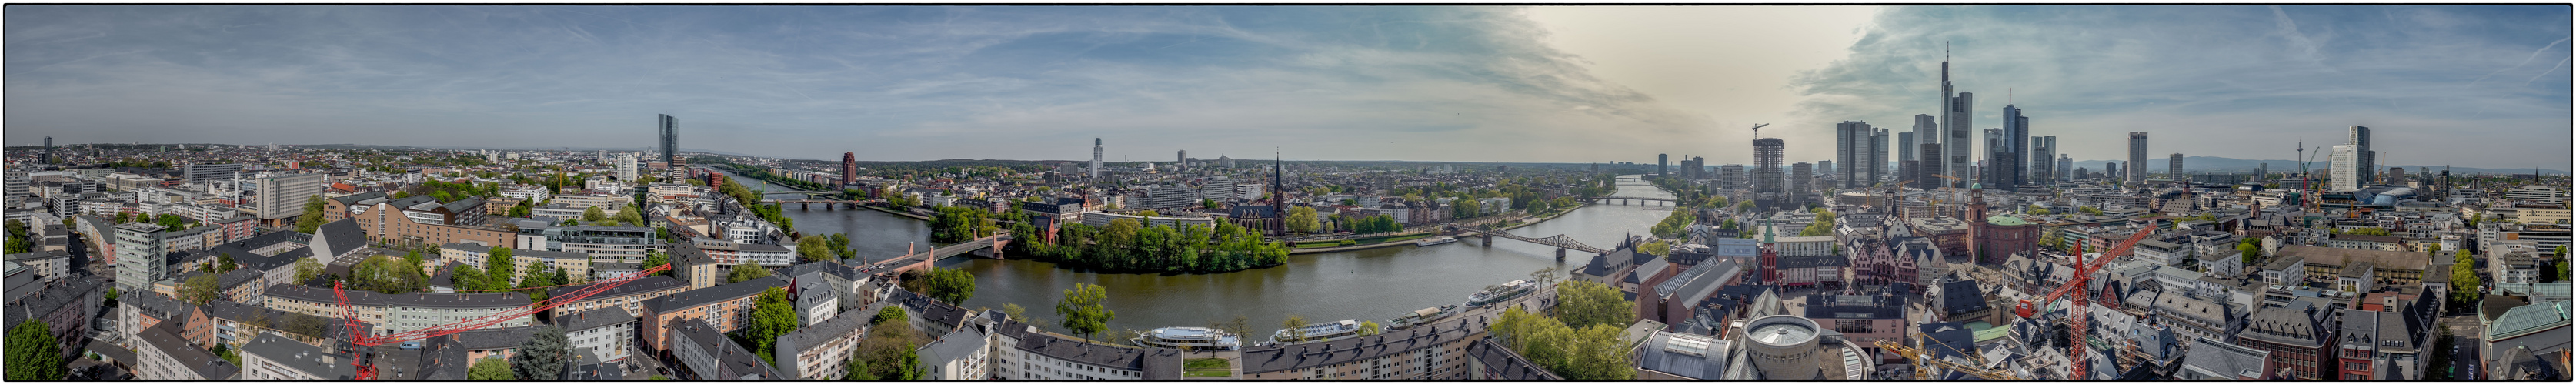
49	151
2111	170
2011	158
1767	153
2065	166
1731	177
1660	161
143	247
2347	173
1957	117
1904	152
670	127
625	164
1826	169
279	197
1802	175
2367	159
1926	131
2262	171
2137	156
2175	172
200	173
1095	157
1995	166
1851	146
1878	162
1927	175
2043	160
1181	158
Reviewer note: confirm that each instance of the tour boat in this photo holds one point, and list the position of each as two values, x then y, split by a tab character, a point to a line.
1319	332
1424	316
1507	291
1434	241
1189	338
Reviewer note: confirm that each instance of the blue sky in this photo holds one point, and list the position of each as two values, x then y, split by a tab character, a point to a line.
2474	86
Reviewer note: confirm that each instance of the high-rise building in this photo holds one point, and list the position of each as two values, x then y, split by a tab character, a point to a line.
2012	160
2137	156
49	151
280	196
1767	154
1852	142
849	168
2348	173
1801	177
142	244
1095	157
1826	169
2064	164
1660	161
2262	171
1904	150
2359	137
1878	161
2176	170
670	139
625	164
1731	177
1957	117
1181	158
2043	159
1926	175
2111	170
1926	131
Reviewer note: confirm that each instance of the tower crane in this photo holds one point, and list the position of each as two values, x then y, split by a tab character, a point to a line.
2075	315
359	340
1757	130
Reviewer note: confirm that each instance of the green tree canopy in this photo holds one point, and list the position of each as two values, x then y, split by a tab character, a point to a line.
312	217
1585	303
772	315
746	272
200	290
490	368
953	286
542	356
499	267
34	354
1082	309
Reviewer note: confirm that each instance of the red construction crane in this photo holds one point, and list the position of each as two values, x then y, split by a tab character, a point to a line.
360	339
2075	315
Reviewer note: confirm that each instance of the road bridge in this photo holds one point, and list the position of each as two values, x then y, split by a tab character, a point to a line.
1623	201
988	247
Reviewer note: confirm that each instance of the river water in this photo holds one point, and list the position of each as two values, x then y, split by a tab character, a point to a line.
1367	285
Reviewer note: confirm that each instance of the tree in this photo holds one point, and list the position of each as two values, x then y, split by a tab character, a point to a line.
814	248
746	272
630	214
654	259
389	275
1369	328
224	263
888	313
858	371
1546	275
1240	326
1658	248
312	217
1082	311
1017	312
200	290
20	241
499	266
594	214
2249	252
908	365
34	354
1302	219
888	341
1296	326
772	315
1582	304
542	357
491	368
953	286
2464	279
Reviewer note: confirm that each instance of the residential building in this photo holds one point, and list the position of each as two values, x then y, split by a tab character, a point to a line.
279	197
269	357
820	351
724	307
959	355
1429	352
161	355
703	353
629	297
606	335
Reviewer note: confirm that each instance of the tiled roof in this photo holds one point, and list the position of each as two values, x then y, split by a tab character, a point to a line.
300	357
713	294
1273	358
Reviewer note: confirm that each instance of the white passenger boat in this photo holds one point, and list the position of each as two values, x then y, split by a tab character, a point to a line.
1318	332
1435	241
1189	338
1506	292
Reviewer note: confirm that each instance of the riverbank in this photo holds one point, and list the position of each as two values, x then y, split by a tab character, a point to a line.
897	213
1392	241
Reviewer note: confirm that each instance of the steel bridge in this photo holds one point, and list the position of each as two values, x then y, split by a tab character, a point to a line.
1560	241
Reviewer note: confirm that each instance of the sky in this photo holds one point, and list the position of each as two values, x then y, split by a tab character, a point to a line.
2475	86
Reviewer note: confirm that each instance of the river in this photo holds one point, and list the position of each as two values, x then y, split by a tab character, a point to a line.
1367	285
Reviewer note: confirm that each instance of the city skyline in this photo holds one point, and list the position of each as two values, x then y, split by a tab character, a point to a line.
794	82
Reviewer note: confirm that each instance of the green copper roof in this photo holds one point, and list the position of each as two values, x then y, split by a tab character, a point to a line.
2004	220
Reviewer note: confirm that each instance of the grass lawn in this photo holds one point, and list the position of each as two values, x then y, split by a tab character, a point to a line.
1207	367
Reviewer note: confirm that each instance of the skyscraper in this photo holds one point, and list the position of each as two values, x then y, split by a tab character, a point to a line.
1852	142
1660	160
1767	154
2043	159
2262	171
849	168
1992	169
1181	159
1925	173
1878	162
1926	131
2065	165
670	139
1905	150
1957	117
49	151
1800	175
2346	172
2013	165
2176	170
2359	137
2137	156
2111	170
1095	157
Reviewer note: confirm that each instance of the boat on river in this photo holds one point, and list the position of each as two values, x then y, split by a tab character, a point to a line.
1318	332
1435	241
1421	317
1189	338
1509	290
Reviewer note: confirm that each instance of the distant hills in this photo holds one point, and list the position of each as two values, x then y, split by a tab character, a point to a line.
2224	165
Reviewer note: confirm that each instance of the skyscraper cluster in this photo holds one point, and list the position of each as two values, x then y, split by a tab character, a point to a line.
1862	153
2351	162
